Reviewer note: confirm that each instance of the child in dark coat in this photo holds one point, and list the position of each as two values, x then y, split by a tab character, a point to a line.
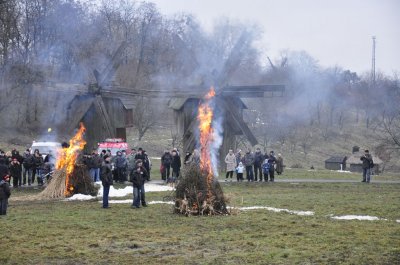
4	194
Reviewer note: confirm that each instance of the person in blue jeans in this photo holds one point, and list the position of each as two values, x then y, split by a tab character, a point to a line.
106	179
367	164
138	177
95	165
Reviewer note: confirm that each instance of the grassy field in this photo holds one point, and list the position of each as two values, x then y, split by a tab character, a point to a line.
36	232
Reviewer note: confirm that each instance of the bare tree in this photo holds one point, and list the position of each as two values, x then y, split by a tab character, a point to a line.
143	116
388	130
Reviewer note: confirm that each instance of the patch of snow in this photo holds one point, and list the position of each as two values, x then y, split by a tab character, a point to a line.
343	171
117	192
80	197
128	190
148	187
357	217
277	210
397	221
161	202
130	201
119	201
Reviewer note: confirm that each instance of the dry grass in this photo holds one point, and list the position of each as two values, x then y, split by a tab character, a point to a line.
58	232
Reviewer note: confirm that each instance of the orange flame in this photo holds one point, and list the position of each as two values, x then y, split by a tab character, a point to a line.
205	116
69	155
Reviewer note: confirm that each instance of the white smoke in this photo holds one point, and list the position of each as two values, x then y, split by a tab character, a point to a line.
217	138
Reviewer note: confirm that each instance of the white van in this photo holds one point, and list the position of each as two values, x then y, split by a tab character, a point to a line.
46	147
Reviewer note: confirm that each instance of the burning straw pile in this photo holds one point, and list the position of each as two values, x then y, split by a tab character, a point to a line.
195	196
69	177
198	192
79	182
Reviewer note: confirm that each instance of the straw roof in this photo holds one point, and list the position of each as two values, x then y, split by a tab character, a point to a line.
355	159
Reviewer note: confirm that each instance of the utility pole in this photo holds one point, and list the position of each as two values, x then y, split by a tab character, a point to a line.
373	79
373	61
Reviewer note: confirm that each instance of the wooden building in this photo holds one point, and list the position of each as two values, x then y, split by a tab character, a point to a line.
336	163
229	106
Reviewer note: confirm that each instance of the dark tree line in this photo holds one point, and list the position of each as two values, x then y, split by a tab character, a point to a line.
66	40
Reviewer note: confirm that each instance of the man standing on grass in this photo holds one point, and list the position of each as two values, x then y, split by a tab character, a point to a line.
106	179
138	176
166	161
258	160
271	162
367	164
95	165
249	162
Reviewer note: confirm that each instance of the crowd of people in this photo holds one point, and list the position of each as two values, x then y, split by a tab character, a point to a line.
17	170
121	163
258	166
109	169
28	167
171	164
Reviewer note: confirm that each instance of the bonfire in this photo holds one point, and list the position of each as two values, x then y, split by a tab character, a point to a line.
198	192
70	177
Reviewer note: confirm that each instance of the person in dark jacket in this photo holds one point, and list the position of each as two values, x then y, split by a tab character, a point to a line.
249	162
258	161
138	176
5	193
271	162
37	165
120	166
28	165
166	161
16	172
95	164
239	157
144	177
176	166
367	164
106	179
50	158
147	164
3	168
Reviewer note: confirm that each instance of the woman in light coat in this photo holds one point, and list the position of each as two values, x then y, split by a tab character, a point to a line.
230	161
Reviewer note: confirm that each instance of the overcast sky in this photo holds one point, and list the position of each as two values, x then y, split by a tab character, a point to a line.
335	32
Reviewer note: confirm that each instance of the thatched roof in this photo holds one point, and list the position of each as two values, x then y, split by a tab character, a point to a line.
355	159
